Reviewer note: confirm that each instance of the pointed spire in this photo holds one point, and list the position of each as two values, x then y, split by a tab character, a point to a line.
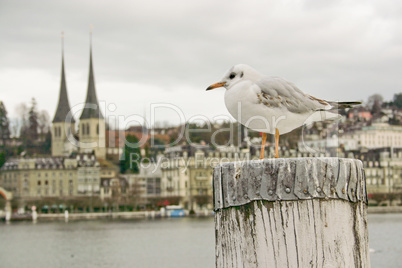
63	107
92	106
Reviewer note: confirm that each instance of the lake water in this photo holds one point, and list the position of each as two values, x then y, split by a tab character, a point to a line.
385	240
183	242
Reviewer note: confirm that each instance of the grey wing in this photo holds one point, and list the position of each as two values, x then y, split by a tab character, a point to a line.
277	92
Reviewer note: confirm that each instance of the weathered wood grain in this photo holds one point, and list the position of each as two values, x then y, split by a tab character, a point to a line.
288	213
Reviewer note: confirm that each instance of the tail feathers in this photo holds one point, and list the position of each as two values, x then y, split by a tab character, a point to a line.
343	105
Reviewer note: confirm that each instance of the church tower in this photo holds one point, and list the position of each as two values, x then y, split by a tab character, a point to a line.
63	121
92	123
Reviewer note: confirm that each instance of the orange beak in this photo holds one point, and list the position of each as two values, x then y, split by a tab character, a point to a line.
220	84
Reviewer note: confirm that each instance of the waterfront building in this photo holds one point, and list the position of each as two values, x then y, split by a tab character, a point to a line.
187	173
88	175
56	178
115	191
145	187
377	135
39	177
383	169
109	176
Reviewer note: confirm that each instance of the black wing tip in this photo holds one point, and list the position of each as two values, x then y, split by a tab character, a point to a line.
347	104
343	104
350	103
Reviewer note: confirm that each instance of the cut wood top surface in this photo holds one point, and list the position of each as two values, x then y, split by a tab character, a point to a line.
238	183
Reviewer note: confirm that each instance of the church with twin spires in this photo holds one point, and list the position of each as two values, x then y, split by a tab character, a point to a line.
90	136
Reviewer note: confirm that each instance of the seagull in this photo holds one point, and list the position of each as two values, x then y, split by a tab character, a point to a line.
270	104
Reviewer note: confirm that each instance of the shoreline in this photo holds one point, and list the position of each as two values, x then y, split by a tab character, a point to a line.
103	215
156	214
386	209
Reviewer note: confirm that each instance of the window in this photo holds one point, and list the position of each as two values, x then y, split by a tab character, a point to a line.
157	186
26	185
88	130
70	190
97	129
39	183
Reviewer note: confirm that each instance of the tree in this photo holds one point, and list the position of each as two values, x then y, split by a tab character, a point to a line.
131	156
4	125
374	103
47	143
397	100
33	121
29	124
21	124
43	124
3	158
34	129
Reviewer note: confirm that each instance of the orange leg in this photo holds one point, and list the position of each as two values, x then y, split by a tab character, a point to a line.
264	139
276	143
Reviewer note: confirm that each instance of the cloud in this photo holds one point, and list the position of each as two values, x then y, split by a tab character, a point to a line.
342	51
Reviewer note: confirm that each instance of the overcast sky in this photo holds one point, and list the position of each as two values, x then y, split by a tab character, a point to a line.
169	51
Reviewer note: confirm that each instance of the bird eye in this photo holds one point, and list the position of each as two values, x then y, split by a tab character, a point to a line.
232	75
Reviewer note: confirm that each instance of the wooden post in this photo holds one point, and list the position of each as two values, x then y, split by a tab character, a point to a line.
296	212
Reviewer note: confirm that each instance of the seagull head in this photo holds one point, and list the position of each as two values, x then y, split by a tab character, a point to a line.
236	74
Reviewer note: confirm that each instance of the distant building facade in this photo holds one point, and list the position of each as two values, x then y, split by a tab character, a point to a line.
51	177
187	173
377	135
383	169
